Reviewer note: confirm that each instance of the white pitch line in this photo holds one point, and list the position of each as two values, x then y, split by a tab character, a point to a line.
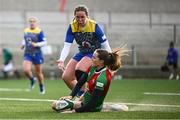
168	94
50	100
26	99
153	105
13	90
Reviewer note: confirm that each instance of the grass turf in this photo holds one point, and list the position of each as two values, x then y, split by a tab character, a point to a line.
126	91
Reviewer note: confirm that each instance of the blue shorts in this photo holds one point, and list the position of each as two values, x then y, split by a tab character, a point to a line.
35	58
80	55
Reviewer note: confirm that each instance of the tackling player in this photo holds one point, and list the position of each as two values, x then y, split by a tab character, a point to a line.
89	37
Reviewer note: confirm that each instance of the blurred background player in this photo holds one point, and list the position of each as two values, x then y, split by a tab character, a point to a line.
33	40
98	81
89	37
172	61
8	67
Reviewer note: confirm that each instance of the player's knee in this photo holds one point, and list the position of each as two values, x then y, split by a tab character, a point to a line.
66	78
26	70
39	73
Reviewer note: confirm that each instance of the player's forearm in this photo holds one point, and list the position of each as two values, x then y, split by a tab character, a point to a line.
65	51
41	44
23	42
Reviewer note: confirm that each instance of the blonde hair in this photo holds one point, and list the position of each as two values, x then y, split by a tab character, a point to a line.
33	18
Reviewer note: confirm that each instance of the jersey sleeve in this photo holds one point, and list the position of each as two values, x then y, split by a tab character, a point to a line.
100	34
69	35
42	36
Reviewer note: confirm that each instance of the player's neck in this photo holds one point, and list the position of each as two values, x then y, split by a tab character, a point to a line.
33	28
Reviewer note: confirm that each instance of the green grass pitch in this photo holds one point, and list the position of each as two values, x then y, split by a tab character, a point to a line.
146	98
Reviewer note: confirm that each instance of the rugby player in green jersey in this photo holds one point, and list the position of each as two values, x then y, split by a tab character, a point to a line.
98	79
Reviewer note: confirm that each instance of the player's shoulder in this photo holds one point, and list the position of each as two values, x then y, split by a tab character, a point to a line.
92	21
26	29
103	73
91	70
74	22
36	30
102	79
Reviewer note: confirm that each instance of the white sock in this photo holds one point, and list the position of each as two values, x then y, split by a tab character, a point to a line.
171	76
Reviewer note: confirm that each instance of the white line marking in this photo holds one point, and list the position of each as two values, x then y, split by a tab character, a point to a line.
170	94
13	90
152	105
28	100
50	100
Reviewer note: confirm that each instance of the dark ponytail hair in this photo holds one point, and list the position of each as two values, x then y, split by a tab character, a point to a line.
112	59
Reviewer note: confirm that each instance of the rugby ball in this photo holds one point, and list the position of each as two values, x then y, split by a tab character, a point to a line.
61	105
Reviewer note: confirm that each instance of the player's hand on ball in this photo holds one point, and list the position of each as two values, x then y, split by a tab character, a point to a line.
62	105
53	105
61	65
66	97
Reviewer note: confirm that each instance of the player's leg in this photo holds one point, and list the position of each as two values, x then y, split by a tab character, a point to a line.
69	74
8	68
171	70
81	70
175	65
28	72
40	77
84	64
16	72
5	74
38	60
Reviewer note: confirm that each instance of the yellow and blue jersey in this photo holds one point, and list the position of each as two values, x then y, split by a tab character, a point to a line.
33	35
33	54
89	38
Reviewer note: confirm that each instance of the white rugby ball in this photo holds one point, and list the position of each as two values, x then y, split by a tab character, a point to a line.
61	104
